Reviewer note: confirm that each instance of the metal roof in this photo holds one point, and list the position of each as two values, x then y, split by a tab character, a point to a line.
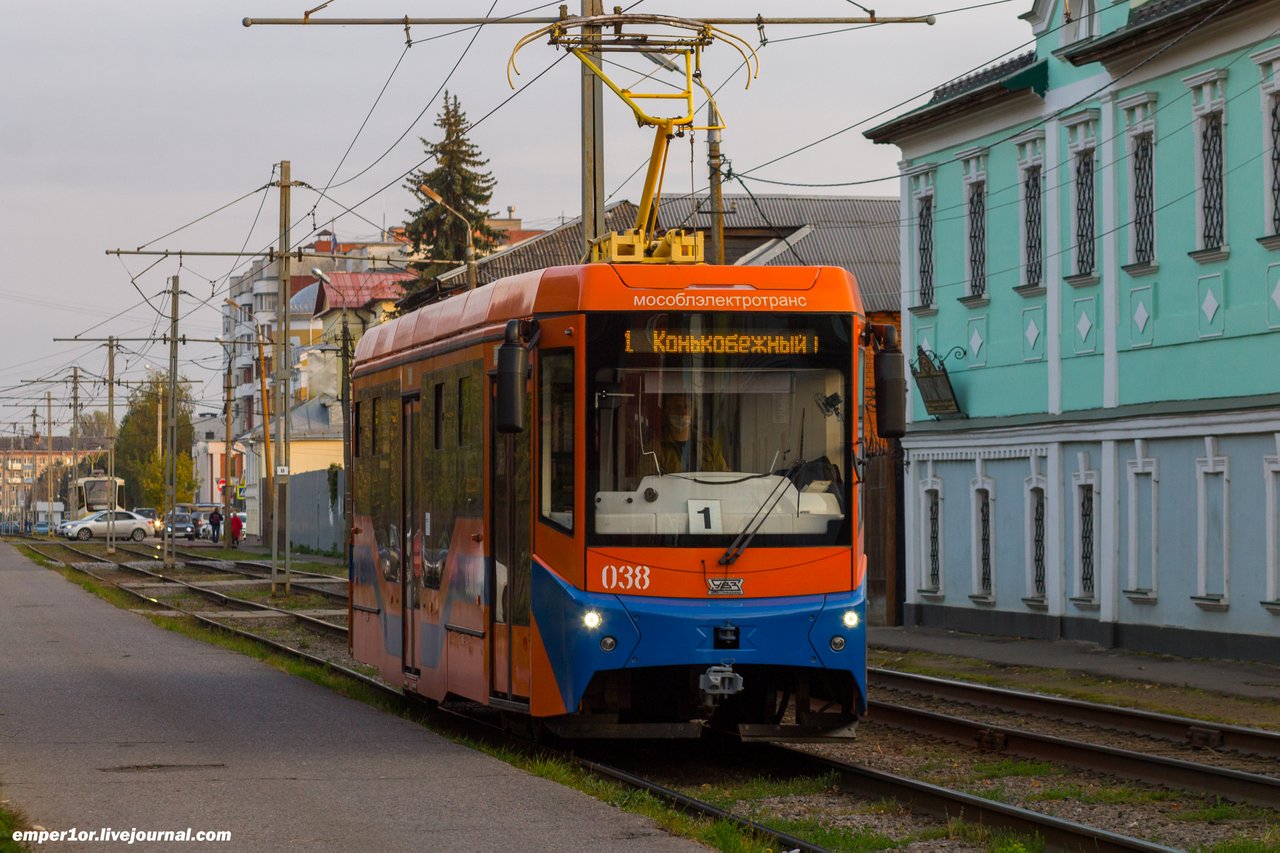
358	289
857	234
558	247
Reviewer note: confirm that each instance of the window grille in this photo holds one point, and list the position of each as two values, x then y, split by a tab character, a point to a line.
977	238
1084	213
1033	214
984	524
1275	165
1037	540
1211	172
1086	541
935	562
925	244
1143	200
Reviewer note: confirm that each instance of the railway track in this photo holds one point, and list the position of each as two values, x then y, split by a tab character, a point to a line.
163	581
944	803
1197	733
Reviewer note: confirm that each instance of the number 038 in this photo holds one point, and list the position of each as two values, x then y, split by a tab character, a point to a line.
624	577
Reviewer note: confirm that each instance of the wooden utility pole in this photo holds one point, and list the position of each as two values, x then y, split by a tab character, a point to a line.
111	436
266	490
227	488
171	431
347	502
48	460
283	360
73	496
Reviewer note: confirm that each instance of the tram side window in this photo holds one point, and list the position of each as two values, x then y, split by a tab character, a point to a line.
356	442
556	400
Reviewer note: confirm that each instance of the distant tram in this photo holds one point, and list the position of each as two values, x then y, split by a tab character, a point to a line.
622	500
95	492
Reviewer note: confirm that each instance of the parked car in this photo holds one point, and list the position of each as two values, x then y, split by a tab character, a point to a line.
180	525
42	528
127	526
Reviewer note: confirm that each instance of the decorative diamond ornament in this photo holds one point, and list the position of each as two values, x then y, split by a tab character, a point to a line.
1084	325
1209	306
975	343
1140	317
1275	295
1033	333
924	342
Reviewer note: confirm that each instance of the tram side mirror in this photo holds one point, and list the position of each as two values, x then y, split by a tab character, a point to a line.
513	369
891	385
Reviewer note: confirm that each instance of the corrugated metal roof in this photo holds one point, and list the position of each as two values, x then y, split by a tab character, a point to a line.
856	233
859	234
554	248
358	289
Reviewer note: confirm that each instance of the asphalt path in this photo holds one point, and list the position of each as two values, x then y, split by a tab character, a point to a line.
107	721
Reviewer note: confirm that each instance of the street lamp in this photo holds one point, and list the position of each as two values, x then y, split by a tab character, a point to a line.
471	237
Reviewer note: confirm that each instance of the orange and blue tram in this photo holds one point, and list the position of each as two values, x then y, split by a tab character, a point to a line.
622	500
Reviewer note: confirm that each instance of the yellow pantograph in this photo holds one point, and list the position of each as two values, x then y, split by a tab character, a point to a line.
670	36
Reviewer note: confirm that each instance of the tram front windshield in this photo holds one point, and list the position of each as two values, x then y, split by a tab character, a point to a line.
706	427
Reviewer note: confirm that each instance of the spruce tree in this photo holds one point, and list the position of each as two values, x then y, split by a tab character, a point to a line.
458	180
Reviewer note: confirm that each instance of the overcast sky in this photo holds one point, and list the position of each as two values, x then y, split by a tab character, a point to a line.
121	122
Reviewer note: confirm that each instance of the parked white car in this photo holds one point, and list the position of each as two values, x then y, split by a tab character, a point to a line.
127	525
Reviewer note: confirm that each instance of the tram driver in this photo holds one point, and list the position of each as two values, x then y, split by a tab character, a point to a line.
680	449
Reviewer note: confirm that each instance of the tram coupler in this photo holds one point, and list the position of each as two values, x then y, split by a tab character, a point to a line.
719	681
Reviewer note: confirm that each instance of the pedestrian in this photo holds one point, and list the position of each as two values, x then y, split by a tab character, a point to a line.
236	526
215	525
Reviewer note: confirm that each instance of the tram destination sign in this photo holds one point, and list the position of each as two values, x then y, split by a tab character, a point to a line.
763	342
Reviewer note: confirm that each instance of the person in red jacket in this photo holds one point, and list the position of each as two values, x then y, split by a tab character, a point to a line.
237	527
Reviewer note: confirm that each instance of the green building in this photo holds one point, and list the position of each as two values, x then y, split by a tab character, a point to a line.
1090	283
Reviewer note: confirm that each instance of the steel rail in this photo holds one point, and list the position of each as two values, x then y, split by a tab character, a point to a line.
1167	726
1057	833
689	804
1215	781
310	621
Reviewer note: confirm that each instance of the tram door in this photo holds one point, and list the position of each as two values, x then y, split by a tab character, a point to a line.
410	544
509	566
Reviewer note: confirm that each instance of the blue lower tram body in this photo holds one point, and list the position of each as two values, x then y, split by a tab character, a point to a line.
660	646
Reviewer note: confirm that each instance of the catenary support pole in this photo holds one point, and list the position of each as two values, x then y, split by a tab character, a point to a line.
111	435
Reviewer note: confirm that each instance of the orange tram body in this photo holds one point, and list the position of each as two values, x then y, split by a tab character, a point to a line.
539	527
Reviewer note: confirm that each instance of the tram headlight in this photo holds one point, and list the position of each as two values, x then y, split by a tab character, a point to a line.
592	619
851	619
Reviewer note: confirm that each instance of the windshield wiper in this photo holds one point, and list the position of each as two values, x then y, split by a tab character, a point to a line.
743	539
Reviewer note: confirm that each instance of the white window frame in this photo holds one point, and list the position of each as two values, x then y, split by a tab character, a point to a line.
1036	482
1083	25
982	483
1143	465
922	180
1083	478
1268	62
1030	148
931	484
1140	120
1082	136
1208	96
973	165
1212	465
1271	483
